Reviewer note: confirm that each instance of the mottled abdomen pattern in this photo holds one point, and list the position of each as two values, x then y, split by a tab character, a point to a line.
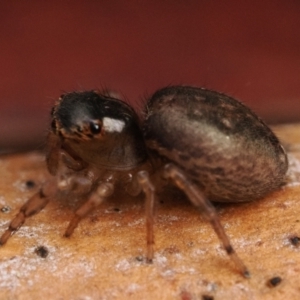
220	143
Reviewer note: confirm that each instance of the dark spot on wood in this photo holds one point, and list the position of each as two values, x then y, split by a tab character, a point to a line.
295	240
207	297
246	274
5	209
30	184
116	209
139	258
274	281
41	251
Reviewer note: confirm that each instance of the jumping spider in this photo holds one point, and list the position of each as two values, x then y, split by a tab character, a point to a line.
206	143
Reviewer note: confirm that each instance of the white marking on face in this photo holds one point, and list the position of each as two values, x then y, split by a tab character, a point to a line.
113	125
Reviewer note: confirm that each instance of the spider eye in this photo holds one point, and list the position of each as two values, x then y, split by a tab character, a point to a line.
95	128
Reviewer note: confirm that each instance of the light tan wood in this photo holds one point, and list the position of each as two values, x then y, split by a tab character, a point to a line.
102	260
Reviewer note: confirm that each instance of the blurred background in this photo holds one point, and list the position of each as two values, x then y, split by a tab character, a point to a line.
247	49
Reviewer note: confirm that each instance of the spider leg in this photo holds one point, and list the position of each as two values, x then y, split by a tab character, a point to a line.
102	192
57	150
71	159
34	205
149	190
207	209
80	185
53	153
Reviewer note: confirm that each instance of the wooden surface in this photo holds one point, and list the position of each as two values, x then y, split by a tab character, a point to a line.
103	259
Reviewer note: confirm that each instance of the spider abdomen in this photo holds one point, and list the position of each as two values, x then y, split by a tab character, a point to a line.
220	143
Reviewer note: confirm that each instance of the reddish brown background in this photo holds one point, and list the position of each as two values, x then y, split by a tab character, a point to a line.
249	49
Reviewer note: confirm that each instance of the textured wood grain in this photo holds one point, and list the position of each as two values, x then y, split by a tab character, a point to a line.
103	259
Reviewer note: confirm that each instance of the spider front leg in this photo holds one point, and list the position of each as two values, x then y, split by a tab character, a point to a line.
34	205
103	191
60	151
207	210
